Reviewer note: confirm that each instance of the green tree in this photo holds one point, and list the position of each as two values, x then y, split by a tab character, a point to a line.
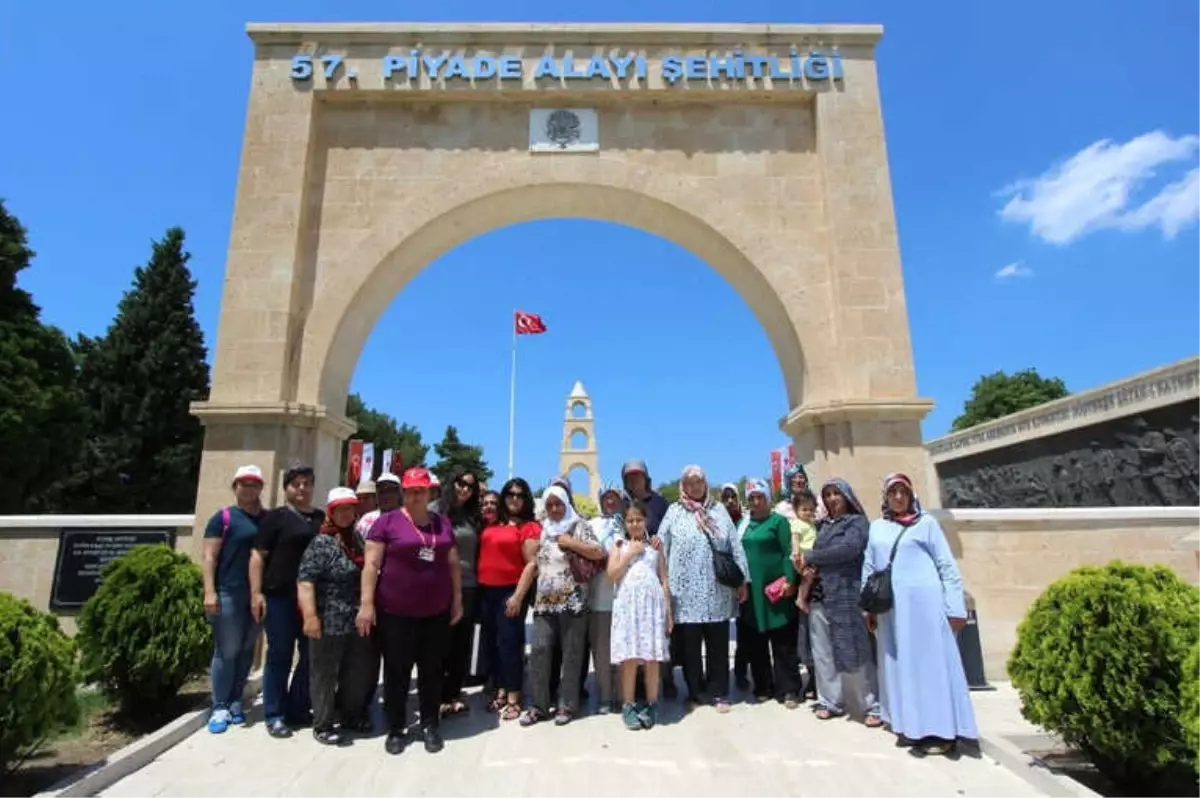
997	395
669	491
41	416
386	433
454	455
143	449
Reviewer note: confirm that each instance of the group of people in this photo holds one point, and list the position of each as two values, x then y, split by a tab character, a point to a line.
395	574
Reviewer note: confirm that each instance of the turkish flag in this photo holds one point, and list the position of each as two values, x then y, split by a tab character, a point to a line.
528	323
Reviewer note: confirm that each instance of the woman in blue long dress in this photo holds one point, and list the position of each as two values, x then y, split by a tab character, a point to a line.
923	690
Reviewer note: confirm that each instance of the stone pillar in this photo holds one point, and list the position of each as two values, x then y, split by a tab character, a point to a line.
272	437
873	426
862	442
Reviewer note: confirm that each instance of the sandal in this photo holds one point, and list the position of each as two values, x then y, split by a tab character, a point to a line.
455	707
824	713
498	702
532	716
510	712
873	721
563	717
935	749
722	706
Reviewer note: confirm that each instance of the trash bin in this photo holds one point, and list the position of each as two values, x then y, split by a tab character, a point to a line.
970	648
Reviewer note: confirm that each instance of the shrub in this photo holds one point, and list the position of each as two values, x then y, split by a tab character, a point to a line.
1189	706
1100	660
143	634
38	677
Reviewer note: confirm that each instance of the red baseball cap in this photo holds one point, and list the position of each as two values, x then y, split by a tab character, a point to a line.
416	477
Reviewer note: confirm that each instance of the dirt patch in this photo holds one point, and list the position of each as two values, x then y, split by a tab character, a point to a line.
100	733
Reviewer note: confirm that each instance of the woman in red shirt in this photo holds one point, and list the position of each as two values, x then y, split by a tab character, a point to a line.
507	564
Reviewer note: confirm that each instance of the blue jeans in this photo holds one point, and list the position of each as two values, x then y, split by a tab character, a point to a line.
502	639
284	638
234	635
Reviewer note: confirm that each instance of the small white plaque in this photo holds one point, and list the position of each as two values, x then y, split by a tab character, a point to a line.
563	130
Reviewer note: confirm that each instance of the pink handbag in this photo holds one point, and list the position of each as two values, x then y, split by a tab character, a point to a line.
775	590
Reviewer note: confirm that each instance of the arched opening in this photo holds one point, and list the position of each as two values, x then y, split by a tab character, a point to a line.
579	439
578	410
579	479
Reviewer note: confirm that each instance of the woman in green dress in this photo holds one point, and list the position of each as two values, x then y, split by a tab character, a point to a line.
769	613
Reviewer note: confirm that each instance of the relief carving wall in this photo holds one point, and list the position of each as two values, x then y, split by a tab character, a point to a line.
1149	459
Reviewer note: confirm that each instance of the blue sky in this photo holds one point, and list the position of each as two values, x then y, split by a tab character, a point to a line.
1043	158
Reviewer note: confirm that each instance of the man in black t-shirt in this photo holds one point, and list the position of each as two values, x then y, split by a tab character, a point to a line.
283	535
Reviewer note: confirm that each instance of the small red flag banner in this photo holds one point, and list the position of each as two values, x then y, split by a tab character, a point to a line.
528	323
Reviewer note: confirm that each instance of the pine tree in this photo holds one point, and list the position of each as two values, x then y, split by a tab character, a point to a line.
143	448
454	457
41	418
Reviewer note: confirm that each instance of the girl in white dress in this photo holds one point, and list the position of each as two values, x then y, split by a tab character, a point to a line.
641	617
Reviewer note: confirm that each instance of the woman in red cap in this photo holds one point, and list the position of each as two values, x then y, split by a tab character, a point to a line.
342	666
411	588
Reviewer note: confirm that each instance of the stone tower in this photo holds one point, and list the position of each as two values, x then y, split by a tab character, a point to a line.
579	420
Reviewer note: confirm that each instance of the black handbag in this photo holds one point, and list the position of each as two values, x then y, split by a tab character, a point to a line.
725	567
877	596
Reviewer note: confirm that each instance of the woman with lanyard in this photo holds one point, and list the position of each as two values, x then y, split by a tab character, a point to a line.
411	588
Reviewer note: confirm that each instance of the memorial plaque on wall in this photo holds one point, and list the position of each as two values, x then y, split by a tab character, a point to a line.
82	555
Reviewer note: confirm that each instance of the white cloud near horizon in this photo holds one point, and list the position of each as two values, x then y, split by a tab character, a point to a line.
1015	269
1092	190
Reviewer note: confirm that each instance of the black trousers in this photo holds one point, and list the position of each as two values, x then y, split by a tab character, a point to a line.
741	654
706	672
774	663
458	652
405	642
342	672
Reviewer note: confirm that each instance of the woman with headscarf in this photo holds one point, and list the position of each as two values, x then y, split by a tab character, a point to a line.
609	528
702	607
768	617
343	669
922	688
560	606
841	646
795	483
462	508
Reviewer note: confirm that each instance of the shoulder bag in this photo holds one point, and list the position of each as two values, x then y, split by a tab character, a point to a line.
725	567
877	596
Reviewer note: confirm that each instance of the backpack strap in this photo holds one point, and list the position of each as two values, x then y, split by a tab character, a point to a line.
226	521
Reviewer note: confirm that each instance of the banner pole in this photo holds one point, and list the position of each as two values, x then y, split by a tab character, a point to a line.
512	397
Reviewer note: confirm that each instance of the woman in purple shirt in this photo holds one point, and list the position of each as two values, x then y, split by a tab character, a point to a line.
411	589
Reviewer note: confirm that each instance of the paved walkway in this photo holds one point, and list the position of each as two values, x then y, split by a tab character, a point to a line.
754	750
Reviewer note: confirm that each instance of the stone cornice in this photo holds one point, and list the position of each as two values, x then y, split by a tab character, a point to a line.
1166	385
516	33
807	416
10	522
293	414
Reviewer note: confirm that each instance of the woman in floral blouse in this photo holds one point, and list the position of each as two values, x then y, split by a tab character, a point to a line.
560	607
702	606
342	666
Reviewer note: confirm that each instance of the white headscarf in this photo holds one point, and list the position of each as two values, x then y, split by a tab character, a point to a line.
569	519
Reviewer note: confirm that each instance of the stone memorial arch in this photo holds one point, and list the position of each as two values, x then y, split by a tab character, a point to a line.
370	150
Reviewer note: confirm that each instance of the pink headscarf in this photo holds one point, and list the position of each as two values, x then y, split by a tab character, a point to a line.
699	509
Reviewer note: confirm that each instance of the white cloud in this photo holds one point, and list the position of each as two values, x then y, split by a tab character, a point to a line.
1016	269
1092	189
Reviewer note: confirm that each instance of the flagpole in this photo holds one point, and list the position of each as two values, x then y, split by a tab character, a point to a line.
512	397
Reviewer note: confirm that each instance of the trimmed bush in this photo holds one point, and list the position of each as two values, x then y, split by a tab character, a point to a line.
38	678
143	634
1189	709
1100	660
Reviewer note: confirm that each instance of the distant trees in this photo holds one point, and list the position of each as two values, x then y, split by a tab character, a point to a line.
456	457
996	395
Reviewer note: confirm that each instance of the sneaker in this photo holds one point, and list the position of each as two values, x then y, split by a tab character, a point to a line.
648	716
219	721
397	741
433	739
278	729
629	714
237	716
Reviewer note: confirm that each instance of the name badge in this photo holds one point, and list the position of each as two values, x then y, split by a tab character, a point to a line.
426	553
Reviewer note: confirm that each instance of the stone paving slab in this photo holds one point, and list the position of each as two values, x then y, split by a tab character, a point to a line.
754	750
